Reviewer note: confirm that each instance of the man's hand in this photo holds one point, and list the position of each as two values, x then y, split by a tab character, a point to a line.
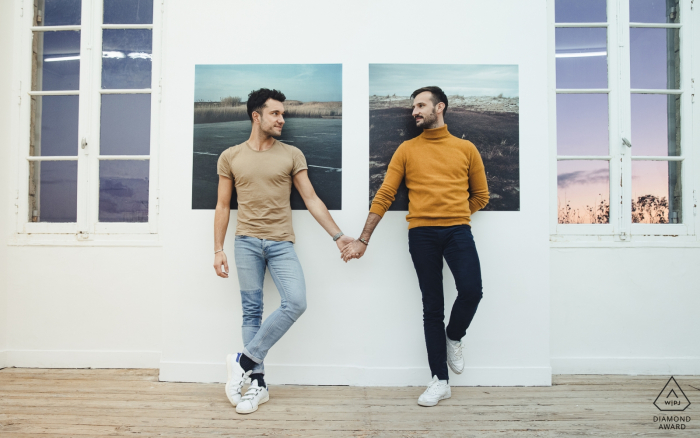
355	250
219	260
221	217
344	241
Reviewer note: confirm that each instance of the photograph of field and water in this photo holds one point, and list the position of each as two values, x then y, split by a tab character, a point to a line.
483	107
313	123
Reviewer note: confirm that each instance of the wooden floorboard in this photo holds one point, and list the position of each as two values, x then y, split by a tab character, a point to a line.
99	403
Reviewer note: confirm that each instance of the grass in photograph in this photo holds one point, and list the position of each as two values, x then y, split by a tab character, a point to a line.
491	123
231	109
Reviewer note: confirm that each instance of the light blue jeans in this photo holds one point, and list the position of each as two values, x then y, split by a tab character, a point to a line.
252	256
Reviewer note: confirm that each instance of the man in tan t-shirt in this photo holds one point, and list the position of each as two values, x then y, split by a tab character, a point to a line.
262	170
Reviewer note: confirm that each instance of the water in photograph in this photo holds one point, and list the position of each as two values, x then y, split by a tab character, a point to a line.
319	140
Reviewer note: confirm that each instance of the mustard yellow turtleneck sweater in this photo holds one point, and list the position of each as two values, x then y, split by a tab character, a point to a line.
445	178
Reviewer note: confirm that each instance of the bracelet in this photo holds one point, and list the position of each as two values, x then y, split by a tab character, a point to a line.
363	241
338	236
218	250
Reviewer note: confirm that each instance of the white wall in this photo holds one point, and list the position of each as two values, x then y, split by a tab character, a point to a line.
364	321
625	311
6	201
84	307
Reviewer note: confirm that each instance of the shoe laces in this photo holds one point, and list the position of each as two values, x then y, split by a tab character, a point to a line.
434	387
458	350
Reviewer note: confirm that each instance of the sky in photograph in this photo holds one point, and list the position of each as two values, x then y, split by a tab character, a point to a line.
461	79
304	82
582	119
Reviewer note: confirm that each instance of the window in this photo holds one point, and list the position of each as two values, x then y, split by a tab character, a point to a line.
90	114
623	127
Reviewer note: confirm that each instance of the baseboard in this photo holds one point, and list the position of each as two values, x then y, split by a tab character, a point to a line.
677	366
81	359
359	376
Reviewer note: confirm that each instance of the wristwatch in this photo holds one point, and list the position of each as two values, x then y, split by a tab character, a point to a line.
363	241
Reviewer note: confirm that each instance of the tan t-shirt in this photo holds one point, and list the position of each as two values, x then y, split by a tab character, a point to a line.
263	181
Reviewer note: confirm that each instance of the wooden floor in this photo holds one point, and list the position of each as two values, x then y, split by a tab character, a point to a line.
96	403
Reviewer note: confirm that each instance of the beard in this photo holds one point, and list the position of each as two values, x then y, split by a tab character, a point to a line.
269	130
428	121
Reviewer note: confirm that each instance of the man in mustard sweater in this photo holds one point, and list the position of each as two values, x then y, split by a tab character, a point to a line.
446	184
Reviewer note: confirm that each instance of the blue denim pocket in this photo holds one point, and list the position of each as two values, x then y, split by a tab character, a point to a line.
463	237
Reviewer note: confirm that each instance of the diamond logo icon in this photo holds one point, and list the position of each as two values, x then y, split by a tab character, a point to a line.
672	397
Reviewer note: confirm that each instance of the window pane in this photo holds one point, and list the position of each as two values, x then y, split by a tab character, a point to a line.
126	58
656	192
125	124
582	58
57	13
577	11
53	191
582	124
56	61
656	124
654	11
128	12
123	191
583	192
654	58
54	126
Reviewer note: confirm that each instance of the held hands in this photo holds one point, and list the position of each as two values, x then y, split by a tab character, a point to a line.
349	249
353	250
343	241
220	262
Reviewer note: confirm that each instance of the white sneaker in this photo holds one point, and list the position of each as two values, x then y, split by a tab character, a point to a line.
454	355
236	378
254	397
437	390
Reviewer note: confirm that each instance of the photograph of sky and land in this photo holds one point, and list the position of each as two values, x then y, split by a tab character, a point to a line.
483	107
313	123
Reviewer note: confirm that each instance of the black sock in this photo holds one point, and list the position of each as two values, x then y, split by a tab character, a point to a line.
246	363
260	378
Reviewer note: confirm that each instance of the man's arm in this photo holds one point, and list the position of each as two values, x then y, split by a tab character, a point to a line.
478	187
221	217
357	249
380	204
317	208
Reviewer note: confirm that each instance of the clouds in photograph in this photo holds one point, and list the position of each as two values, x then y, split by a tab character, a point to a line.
212	82
461	79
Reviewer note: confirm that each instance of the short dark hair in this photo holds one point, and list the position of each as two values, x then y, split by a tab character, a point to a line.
438	95
258	98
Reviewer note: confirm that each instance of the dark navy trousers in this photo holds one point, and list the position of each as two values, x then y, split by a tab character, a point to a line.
428	247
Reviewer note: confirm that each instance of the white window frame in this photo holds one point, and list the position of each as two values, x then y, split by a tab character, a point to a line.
620	231
87	230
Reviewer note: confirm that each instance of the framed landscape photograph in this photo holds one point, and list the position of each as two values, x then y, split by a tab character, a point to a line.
313	123
483	107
